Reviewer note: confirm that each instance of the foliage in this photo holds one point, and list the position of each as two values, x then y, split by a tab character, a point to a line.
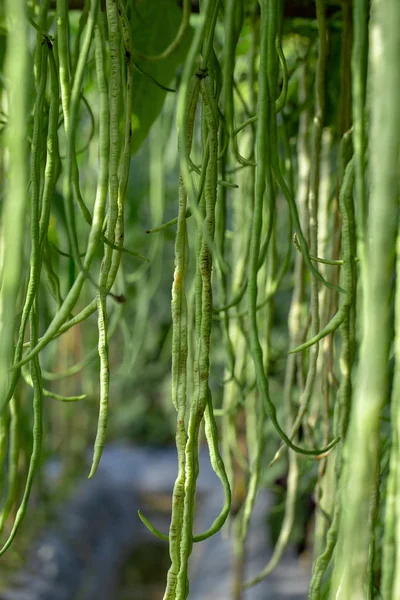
154	25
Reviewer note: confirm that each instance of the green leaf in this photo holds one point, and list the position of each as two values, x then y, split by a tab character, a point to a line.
154	26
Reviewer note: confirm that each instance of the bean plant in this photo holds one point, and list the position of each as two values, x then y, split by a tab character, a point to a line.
285	121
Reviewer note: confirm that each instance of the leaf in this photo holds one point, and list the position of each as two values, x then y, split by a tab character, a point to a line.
154	26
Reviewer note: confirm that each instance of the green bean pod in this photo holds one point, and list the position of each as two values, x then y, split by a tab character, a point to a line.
361	451
202	361
113	215
180	350
263	172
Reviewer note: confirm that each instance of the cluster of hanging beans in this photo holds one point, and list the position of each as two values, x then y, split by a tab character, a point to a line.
258	209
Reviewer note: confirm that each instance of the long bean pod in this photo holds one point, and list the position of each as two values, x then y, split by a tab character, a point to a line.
13	459
264	170
361	447
346	361
180	351
113	216
202	361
